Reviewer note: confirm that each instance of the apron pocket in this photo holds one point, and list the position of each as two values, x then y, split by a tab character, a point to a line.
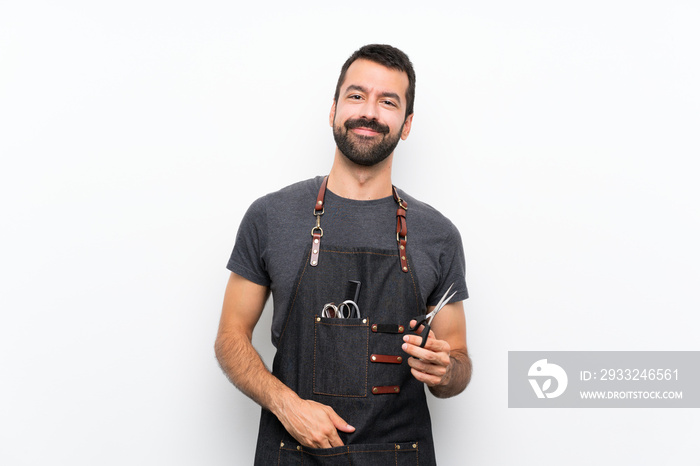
400	454
341	357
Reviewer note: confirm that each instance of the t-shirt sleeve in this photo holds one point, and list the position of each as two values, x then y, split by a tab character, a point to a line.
452	269
247	258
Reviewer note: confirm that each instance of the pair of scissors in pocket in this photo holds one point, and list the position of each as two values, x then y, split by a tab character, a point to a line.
427	319
338	312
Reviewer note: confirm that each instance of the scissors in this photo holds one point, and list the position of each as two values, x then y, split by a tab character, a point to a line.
338	312
421	320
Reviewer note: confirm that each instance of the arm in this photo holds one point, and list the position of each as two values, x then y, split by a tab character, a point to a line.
444	364
312	424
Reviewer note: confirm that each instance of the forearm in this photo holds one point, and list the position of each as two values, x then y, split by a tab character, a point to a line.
457	376
245	369
312	424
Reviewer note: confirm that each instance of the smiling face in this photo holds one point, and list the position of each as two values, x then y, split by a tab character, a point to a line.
369	117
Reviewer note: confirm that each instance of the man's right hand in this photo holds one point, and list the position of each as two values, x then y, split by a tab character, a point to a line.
312	424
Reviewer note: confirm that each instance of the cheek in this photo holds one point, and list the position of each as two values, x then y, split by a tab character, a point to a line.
338	118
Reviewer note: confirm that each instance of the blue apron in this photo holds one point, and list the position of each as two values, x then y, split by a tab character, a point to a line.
354	365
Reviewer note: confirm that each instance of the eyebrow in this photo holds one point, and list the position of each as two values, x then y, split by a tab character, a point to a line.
355	87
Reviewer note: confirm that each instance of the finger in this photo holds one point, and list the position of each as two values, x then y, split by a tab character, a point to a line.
335	441
417	338
418	330
414	339
329	438
339	422
437	370
429	353
416	351
334	438
432	344
427	379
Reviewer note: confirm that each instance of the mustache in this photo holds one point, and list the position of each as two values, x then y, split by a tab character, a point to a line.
365	123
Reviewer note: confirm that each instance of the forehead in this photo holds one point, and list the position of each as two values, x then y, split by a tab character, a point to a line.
375	77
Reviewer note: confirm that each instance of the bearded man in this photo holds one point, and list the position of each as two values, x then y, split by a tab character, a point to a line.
348	378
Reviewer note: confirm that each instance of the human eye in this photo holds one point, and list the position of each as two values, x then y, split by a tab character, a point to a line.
389	103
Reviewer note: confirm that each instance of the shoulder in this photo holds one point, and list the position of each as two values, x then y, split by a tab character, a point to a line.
304	189
425	216
438	253
289	198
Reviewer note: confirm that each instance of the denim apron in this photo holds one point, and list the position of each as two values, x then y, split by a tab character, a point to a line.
354	365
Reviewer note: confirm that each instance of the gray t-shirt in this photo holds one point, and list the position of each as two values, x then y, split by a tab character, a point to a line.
275	236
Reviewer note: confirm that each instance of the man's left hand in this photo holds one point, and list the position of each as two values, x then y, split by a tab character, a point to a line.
430	364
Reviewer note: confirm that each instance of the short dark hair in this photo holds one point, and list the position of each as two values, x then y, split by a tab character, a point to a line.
388	56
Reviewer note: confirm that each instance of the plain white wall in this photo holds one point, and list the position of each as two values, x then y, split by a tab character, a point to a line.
560	137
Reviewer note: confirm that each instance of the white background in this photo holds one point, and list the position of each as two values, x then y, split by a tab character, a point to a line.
560	137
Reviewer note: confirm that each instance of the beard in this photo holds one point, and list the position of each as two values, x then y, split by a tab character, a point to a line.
364	150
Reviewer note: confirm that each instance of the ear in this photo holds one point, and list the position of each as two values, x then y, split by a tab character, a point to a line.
331	117
407	127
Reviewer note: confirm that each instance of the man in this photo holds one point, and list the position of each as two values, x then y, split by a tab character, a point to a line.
343	389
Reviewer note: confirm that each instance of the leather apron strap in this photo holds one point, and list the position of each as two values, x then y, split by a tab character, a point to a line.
317	231
401	225
401	228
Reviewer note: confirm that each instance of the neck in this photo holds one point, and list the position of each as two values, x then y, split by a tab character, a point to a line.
358	182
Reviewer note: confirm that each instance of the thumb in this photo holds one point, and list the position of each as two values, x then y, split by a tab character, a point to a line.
339	422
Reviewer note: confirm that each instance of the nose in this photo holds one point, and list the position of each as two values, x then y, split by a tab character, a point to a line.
369	110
